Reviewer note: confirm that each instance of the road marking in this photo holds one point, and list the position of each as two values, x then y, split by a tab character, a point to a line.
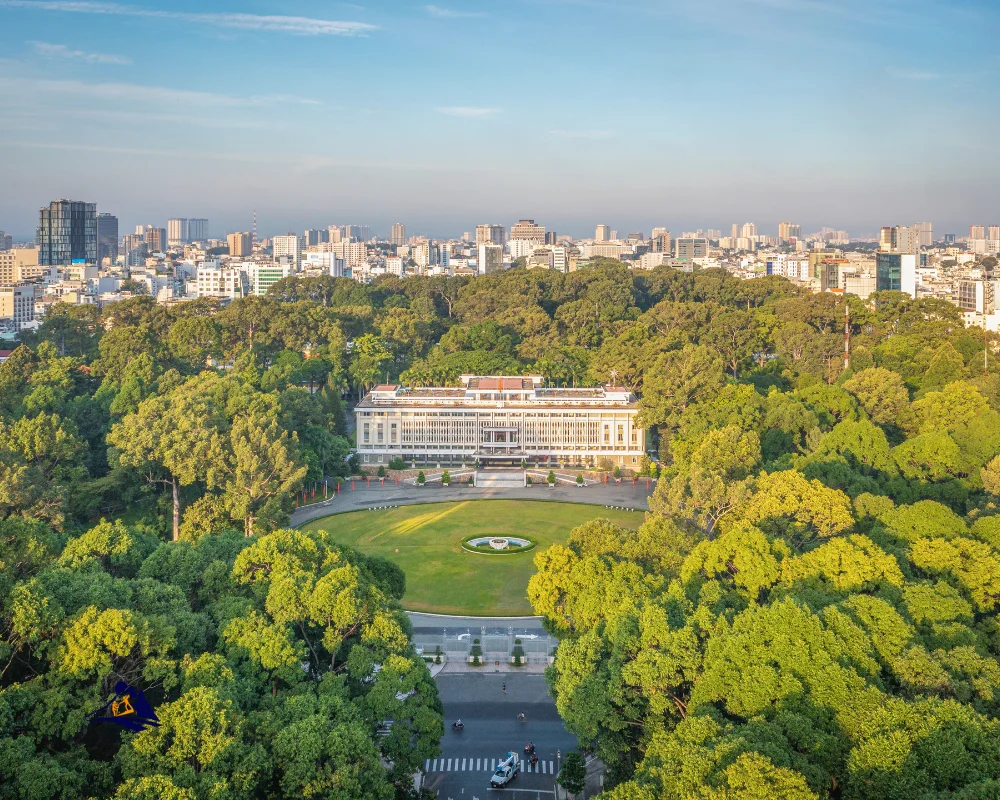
478	762
463	765
449	765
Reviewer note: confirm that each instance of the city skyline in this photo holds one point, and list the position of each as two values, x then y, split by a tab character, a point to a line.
455	103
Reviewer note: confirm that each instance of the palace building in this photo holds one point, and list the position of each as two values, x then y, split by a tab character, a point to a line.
499	420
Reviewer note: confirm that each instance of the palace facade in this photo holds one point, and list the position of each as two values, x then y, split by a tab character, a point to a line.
499	420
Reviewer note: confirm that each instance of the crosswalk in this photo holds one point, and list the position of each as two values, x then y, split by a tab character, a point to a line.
543	767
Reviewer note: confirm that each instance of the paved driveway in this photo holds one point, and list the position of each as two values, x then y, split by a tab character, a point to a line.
361	498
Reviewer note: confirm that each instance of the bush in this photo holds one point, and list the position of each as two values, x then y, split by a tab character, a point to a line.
605	465
618	473
381	472
354	462
552	478
475	641
437	659
528	482
446	478
397	464
579	479
421	479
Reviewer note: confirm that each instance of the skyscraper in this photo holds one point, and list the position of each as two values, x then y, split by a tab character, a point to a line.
156	238
107	237
398	236
67	232
977	232
551	238
748	231
602	234
491	234
925	234
788	231
177	231
197	230
993	233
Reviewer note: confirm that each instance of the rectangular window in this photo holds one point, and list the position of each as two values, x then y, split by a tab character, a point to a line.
367	434
621	434
607	435
393	434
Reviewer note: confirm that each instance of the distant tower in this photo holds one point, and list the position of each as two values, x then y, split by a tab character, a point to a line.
254	242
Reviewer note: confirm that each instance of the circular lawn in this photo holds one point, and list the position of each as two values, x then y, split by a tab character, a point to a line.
444	578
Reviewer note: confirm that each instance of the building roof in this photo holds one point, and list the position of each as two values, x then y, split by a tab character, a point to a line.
385	387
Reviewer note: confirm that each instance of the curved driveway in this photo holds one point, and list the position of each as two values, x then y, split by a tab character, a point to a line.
361	499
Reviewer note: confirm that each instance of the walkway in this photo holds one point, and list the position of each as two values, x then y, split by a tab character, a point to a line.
360	499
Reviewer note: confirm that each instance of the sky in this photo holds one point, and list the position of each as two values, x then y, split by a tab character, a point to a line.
636	113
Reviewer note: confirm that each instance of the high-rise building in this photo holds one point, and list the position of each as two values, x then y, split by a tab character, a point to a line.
925	234
490	258
177	231
197	230
977	232
156	238
602	234
993	232
136	249
17	303
735	233
334	234
289	247
748	231
240	244
398	236
788	231
896	272
687	249
901	239
107	238
661	242
263	276
527	229
550	238
949	238
6	242
67	232
491	234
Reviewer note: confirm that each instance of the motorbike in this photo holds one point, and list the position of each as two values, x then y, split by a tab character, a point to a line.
529	749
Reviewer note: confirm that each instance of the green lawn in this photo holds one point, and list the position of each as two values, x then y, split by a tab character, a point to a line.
441	577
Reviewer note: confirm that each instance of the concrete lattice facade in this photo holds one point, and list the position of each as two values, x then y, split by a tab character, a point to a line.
499	420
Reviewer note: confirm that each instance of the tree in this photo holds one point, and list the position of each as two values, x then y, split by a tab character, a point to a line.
173	439
367	358
881	394
573	775
677	380
260	471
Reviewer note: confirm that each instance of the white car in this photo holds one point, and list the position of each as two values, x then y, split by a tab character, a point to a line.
506	771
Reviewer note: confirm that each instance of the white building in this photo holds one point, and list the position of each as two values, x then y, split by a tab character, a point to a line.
264	275
521	248
17	305
394	265
490	258
324	262
500	419
289	247
214	281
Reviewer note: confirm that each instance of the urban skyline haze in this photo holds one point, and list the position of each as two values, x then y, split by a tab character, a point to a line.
573	112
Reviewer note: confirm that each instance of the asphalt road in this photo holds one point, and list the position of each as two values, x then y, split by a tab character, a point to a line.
491	730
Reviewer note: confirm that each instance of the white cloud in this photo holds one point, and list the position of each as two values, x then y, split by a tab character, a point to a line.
913	74
469	112
305	26
35	89
583	134
450	13
62	51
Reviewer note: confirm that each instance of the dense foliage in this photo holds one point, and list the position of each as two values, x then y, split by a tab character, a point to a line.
808	611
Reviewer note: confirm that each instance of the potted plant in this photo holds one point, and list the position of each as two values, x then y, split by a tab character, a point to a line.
618	474
421	478
381	472
527	480
551	479
446	479
579	479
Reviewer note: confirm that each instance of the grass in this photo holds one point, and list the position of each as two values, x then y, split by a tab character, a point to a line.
441	577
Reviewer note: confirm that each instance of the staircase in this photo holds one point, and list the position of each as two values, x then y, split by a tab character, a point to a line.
509	479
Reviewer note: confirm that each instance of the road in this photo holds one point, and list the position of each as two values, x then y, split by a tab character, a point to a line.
491	729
